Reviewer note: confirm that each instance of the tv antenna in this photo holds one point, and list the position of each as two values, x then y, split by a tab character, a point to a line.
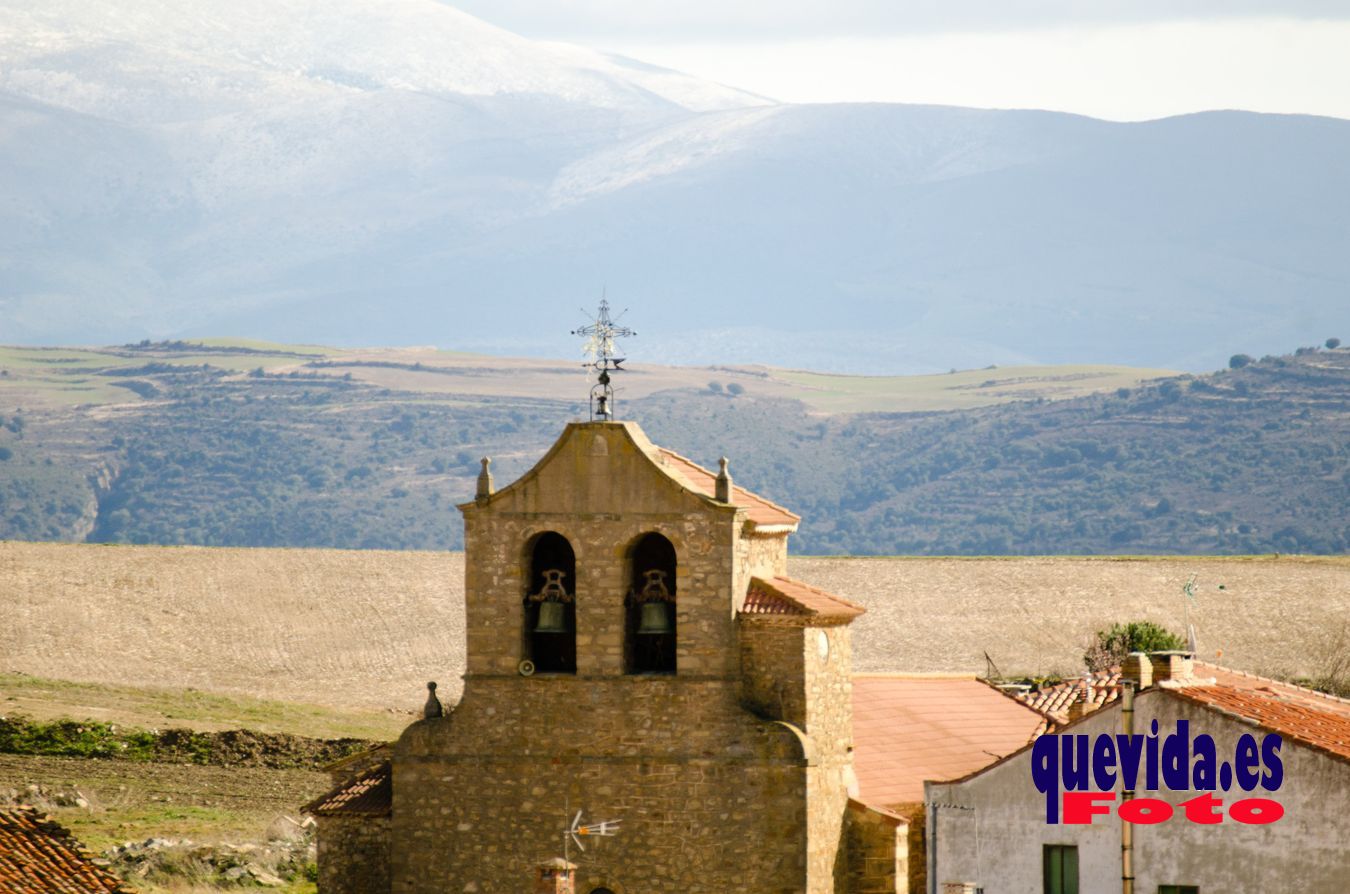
579	830
600	351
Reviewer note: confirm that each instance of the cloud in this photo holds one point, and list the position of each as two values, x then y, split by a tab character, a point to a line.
708	20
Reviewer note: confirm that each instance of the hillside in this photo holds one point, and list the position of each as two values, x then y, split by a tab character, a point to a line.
190	168
270	445
366	630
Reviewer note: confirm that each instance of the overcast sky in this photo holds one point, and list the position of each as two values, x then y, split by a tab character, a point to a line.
1119	59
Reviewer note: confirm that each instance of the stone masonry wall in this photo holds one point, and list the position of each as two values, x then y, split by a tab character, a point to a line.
877	852
353	855
711	799
802	675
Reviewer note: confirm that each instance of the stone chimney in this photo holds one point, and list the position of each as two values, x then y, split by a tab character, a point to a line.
1083	702
555	876
1149	668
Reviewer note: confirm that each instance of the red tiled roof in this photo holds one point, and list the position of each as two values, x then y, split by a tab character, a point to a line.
1323	724
370	794
1054	701
907	729
758	510
788	598
39	856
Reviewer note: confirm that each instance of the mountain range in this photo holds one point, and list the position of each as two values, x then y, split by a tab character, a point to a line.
398	172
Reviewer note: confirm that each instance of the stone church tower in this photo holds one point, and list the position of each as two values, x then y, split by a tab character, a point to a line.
635	651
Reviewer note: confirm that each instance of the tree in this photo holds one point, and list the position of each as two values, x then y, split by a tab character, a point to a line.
1111	646
1333	343
735	388
1237	361
715	387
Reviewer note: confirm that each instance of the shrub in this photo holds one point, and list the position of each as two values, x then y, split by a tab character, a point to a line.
735	388
1237	361
1111	646
715	387
1333	343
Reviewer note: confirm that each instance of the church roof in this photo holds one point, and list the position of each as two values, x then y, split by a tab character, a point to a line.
370	794
40	856
762	512
788	599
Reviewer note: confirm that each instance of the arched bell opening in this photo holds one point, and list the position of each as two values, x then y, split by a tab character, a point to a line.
550	633
650	629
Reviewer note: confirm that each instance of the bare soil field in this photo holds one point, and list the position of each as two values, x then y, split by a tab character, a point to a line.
1279	616
351	629
367	629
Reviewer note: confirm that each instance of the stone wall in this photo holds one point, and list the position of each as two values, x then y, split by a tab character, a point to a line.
877	845
353	854
710	798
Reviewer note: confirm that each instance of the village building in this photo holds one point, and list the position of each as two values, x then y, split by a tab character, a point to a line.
40	856
636	652
988	832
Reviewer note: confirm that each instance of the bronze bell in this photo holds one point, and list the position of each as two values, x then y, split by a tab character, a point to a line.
552	618
655	619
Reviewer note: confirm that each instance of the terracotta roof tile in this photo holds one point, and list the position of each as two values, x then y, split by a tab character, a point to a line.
758	510
788	598
39	856
1103	687
370	794
1053	701
1323	725
907	729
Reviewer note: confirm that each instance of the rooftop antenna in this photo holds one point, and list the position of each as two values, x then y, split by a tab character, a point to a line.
1189	591
578	830
600	349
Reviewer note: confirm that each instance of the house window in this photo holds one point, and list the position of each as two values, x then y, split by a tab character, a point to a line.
1178	889
550	634
1061	869
649	628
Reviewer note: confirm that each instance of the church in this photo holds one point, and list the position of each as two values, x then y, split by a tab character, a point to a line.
636	653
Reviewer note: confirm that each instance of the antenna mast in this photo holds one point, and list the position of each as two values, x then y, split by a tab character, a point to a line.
600	350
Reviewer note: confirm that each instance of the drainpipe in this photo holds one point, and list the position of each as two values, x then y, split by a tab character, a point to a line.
1127	829
932	848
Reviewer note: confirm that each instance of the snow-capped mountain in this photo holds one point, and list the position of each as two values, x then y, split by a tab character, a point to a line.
395	171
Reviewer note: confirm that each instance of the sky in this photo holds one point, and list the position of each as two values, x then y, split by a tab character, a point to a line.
1123	60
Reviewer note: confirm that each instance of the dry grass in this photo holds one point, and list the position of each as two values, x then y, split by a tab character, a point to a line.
130	801
367	629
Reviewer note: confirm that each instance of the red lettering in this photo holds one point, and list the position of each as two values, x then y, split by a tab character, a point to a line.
1256	811
1204	809
1146	811
1081	807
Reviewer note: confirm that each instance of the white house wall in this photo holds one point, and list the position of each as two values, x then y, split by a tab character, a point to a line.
990	829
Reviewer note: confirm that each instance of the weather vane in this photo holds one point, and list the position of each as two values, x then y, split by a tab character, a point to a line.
599	349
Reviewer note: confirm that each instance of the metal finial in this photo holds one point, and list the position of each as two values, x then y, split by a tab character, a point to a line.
484	481
600	348
433	706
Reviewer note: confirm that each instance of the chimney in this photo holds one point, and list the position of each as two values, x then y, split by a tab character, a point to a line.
555	876
1148	668
1083	702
